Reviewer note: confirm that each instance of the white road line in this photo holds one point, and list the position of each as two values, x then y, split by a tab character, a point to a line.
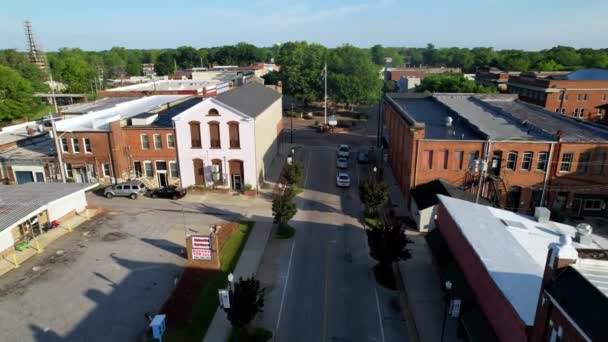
307	168
379	314
284	290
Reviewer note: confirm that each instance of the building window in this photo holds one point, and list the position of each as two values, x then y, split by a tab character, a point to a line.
148	169
68	170
444	159
585	97
604	97
583	161
105	168
599	162
543	158
145	142
566	164
213	112
526	161
173	170
557	110
235	139
75	145
579	97
170	141
473	157
563	110
195	134
512	160
458	157
427	159
582	113
64	145
214	134
158	142
593	204
86	142
576	112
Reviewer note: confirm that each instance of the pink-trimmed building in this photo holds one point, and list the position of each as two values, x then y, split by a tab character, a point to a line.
229	141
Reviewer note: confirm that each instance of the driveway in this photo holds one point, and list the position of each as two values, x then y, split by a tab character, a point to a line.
98	282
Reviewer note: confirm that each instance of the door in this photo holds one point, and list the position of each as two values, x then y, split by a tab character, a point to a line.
514	197
162	179
137	166
577	205
496	163
199	172
39	177
236	174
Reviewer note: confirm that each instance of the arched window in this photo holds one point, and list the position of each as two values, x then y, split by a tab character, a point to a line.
235	139
195	134
213	112
214	134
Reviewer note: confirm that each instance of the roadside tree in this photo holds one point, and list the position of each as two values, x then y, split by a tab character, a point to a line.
373	194
294	173
246	301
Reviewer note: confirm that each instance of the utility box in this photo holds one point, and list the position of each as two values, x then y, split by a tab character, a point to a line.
158	326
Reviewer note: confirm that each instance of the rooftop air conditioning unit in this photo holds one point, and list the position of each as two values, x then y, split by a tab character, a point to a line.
583	234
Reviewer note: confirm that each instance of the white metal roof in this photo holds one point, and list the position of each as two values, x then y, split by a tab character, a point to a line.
512	247
100	120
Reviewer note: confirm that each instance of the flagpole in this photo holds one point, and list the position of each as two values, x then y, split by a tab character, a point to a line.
325	77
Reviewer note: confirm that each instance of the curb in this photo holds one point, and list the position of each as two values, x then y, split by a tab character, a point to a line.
407	313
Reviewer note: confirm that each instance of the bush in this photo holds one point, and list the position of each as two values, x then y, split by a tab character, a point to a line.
316	122
285	231
70	180
283	210
294	173
373	194
248	187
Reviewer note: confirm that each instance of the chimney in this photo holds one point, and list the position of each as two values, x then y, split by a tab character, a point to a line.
583	234
542	214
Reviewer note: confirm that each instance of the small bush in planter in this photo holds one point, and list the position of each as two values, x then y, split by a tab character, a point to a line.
316	122
70	180
248	187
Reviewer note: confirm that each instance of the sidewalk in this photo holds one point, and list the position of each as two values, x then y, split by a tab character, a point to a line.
249	261
423	293
16	258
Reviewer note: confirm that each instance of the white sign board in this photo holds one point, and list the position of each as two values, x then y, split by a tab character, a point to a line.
201	242
201	254
455	308
224	299
332	120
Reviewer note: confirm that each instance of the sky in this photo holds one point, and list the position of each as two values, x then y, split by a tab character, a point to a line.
502	24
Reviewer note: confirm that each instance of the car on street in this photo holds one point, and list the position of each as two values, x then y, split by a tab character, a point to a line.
129	189
363	157
171	192
342	163
343	180
343	151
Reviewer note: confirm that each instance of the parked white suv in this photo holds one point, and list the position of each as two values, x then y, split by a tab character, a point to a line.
343	180
131	190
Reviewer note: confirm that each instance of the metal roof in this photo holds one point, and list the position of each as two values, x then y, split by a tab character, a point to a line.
20	201
514	257
39	147
588	75
101	104
251	99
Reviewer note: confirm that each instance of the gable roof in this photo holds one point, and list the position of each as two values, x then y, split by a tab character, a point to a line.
425	194
251	99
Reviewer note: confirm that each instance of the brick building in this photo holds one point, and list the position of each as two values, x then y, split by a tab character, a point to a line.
508	284
582	94
130	140
533	156
494	77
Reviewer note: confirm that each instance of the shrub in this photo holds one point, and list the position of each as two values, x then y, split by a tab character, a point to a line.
283	210
316	122
248	187
294	173
70	180
373	194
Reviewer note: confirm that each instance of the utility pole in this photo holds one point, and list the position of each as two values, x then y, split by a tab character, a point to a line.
325	98
58	149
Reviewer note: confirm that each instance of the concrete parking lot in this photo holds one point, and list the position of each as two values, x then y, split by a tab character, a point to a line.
98	282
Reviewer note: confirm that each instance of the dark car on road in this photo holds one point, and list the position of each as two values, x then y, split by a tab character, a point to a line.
363	157
171	192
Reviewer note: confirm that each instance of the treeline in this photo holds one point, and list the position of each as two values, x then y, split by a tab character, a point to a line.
555	59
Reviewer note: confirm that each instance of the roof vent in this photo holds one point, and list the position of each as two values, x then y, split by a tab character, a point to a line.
583	234
542	214
448	121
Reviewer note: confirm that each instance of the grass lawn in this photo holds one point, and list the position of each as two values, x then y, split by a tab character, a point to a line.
207	302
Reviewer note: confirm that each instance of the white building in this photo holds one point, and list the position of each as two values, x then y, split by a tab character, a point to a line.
228	141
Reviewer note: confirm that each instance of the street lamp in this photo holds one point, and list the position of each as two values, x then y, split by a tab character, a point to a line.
375	170
230	280
448	288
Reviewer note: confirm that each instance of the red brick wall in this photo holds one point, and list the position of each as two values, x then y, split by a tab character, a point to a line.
497	309
100	150
549	312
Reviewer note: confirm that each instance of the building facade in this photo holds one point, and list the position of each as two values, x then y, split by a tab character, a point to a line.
228	141
525	156
582	94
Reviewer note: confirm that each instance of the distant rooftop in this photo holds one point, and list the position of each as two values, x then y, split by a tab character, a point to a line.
26	130
163	118
588	75
40	147
513	248
426	194
100	120
97	105
491	116
200	81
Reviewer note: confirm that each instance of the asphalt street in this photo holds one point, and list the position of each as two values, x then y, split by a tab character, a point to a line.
320	283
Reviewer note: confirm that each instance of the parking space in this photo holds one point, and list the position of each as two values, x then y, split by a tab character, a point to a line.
98	282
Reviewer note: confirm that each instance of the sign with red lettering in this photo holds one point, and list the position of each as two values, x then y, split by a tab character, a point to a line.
201	254
201	242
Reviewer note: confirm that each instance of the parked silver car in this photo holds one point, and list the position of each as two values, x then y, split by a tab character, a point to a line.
131	190
342	163
343	180
343	151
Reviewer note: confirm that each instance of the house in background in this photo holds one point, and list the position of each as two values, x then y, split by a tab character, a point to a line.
228	141
423	205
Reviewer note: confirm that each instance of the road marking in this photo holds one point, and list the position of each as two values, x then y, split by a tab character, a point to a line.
324	331
284	289
306	172
379	314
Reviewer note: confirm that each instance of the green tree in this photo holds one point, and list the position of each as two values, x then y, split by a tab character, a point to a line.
294	173
246	301
272	77
352	77
75	73
16	99
451	83
387	244
301	65
283	209
165	63
373	195
429	56
187	57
